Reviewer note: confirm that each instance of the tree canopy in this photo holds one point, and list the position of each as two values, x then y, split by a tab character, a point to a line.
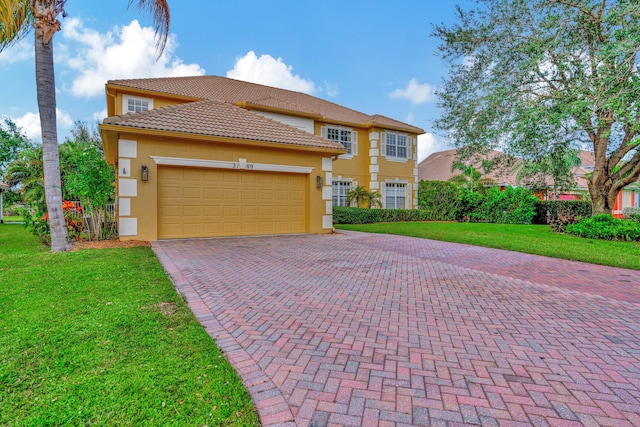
12	142
527	75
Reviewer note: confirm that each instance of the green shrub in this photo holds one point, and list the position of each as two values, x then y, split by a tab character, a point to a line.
507	206
439	199
553	210
606	227
468	203
346	215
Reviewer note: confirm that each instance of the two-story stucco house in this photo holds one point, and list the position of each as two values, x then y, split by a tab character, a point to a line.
210	156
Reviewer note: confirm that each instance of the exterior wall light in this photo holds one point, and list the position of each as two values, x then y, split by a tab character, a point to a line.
318	181
145	174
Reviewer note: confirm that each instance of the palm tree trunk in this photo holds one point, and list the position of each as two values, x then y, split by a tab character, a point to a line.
45	85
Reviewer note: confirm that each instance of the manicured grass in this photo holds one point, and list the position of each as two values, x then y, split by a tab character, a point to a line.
531	239
100	337
12	218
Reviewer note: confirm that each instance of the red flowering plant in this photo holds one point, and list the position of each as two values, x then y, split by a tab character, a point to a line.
72	217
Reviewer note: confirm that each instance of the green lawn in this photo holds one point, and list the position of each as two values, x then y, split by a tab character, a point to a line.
532	239
12	218
100	337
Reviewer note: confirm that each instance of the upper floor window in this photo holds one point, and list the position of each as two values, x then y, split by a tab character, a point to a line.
397	145
348	138
134	104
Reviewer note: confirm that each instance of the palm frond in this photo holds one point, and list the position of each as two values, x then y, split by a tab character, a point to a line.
159	11
15	21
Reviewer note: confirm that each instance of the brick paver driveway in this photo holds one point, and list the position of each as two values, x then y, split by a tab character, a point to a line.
362	329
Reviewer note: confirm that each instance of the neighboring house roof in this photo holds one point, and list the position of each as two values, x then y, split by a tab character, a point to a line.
438	167
250	95
219	119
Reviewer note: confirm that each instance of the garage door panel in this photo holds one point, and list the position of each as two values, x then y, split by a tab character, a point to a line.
192	175
203	203
192	193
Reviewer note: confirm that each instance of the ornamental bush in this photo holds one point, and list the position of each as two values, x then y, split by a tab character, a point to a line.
439	199
606	227
507	206
548	211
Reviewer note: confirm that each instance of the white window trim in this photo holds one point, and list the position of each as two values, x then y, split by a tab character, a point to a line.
348	180
126	98
354	139
405	183
409	147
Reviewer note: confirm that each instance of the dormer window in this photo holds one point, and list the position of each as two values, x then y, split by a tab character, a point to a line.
347	137
136	104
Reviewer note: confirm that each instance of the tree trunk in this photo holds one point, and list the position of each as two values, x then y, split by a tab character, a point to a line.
45	85
603	196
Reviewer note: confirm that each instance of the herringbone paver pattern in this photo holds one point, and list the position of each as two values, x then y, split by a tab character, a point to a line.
358	329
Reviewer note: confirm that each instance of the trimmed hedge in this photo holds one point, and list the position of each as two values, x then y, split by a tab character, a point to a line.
548	211
347	215
606	227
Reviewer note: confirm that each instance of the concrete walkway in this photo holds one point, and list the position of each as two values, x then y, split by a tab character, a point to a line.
362	329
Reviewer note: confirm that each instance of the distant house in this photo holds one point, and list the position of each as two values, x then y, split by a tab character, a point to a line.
3	188
438	167
210	156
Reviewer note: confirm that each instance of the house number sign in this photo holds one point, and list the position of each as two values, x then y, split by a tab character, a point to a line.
242	165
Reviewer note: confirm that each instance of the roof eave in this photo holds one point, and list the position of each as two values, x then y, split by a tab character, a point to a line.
193	136
259	107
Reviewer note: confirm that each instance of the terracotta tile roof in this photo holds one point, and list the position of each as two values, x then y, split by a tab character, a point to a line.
235	91
383	121
438	167
220	119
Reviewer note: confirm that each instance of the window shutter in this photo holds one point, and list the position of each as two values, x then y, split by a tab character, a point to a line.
383	194
383	144
409	197
323	132
409	146
354	142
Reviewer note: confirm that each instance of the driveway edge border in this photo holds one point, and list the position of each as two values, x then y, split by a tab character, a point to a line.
271	405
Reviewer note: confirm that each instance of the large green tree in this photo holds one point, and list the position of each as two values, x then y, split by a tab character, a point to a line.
17	17
528	74
12	142
549	170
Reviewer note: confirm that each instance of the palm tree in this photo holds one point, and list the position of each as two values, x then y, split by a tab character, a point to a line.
17	17
26	173
364	197
470	177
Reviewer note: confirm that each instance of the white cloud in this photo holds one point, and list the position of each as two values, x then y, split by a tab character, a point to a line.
415	92
30	123
410	117
17	53
100	115
427	145
126	52
331	89
269	71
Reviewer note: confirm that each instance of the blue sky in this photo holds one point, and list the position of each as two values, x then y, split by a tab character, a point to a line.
373	56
